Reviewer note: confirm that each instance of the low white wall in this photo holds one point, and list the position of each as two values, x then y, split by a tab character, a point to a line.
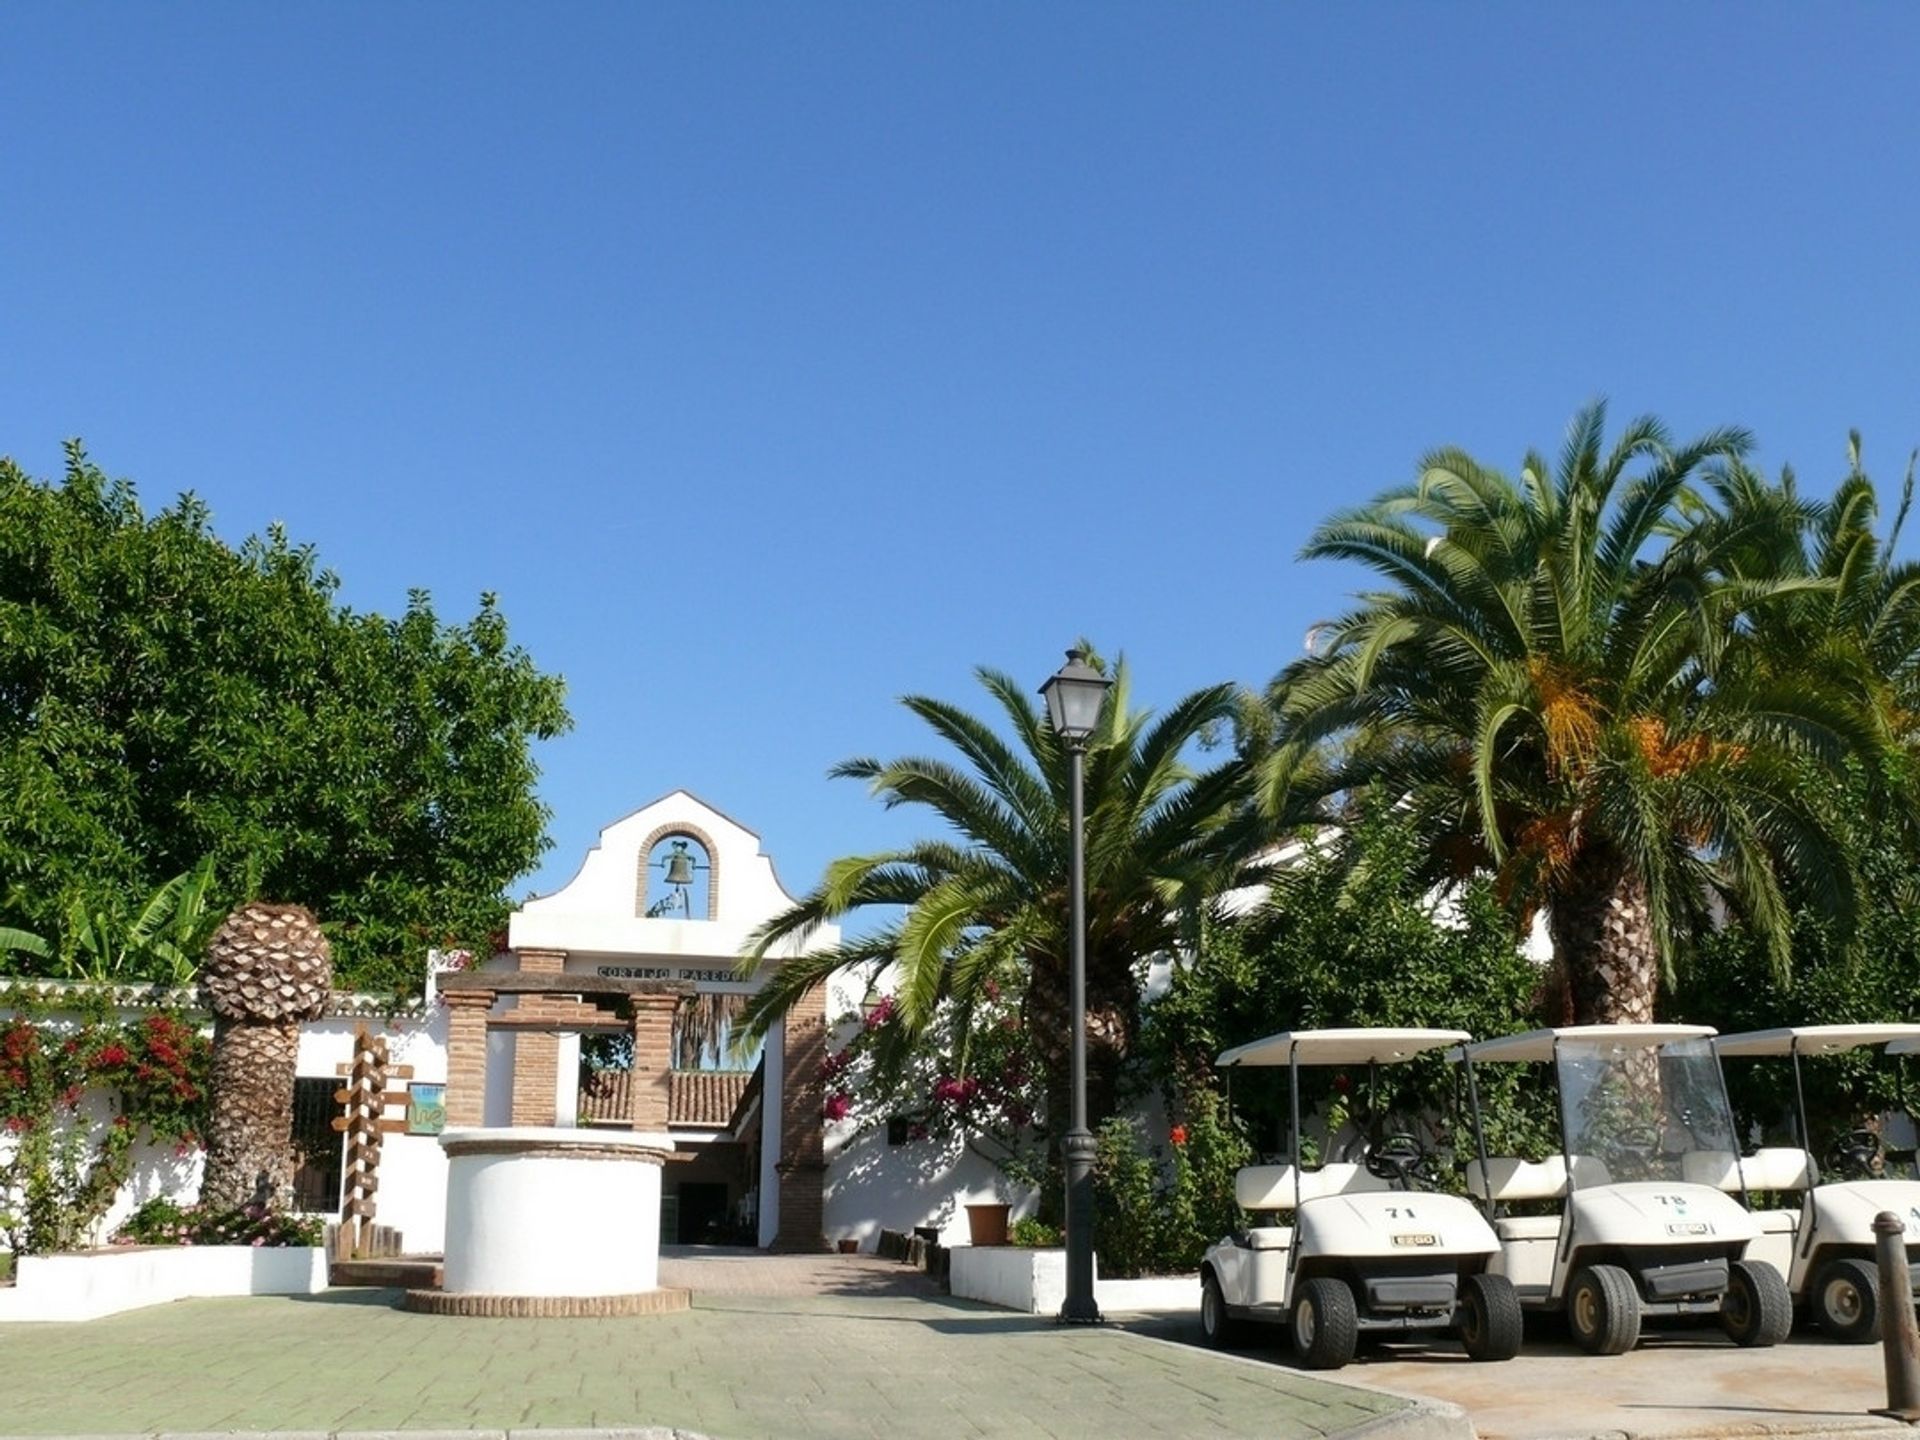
1034	1282
1010	1276
85	1287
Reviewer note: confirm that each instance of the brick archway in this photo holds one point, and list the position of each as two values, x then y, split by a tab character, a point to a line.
667	831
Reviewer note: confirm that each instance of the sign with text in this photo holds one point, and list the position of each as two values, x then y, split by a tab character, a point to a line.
426	1109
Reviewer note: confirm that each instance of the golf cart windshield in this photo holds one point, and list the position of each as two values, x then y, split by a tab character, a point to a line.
1640	1109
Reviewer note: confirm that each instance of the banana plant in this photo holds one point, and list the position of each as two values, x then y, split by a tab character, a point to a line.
161	942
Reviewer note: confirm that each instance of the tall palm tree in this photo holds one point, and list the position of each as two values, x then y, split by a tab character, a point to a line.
983	908
1558	684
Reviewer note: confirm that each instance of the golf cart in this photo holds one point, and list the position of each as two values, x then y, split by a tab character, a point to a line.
1824	1246
1366	1250
1627	1231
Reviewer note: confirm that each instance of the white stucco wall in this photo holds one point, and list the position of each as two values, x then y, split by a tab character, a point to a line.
873	1186
597	915
413	1172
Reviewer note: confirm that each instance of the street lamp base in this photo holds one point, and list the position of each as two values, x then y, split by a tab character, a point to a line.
1085	1313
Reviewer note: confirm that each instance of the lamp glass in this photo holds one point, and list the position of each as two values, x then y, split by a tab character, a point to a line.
1075	694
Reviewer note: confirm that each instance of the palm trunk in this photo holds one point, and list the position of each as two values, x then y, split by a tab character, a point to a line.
1605	954
250	1130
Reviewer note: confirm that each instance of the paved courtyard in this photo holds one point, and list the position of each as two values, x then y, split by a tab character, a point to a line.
843	1354
1679	1382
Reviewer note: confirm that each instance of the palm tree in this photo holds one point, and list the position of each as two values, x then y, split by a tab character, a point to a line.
982	909
268	968
1559	684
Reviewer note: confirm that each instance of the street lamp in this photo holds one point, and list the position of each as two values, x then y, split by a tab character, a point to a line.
1074	696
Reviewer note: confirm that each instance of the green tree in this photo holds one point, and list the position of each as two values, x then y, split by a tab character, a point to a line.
1351	933
1557	685
165	698
983	908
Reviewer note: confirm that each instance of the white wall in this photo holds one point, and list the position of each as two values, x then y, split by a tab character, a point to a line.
413	1170
86	1287
412	1193
873	1186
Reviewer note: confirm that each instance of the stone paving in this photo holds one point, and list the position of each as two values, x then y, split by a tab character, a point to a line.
850	1356
1681	1381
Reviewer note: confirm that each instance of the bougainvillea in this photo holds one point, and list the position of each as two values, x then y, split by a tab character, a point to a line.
982	1087
60	1165
162	1222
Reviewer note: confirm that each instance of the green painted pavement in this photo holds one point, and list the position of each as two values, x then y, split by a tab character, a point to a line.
734	1367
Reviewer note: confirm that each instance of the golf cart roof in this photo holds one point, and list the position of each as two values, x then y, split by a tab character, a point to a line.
1538	1044
1342	1047
1816	1039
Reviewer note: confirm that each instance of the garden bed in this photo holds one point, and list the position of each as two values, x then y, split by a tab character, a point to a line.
1034	1282
88	1285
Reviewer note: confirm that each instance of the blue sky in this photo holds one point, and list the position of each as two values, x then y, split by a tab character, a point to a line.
773	361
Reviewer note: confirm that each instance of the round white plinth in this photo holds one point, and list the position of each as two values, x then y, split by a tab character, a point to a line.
550	1212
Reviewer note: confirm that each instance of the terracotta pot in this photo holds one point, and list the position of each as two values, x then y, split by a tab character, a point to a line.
987	1224
849	1247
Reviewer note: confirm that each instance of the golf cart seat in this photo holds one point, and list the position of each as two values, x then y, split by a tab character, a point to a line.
1270	1237
1527	1227
1515	1179
1772	1167
1271	1187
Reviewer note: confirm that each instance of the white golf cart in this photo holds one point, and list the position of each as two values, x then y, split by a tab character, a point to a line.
1824	1246
1626	1231
1366	1251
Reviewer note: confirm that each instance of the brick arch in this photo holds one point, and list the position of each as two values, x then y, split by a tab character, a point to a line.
691	832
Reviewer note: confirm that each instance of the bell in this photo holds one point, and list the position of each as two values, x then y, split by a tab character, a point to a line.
679	868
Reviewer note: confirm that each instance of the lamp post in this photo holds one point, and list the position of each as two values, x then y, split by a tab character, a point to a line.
1074	696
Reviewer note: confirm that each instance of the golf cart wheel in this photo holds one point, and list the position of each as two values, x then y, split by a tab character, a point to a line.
1490	1322
1326	1324
1603	1310
1846	1300
1217	1327
1757	1308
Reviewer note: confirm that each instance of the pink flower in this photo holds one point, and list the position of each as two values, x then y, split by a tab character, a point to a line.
258	1241
880	1013
839	1105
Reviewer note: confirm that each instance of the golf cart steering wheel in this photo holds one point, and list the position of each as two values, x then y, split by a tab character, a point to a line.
1397	1159
1632	1152
1855	1153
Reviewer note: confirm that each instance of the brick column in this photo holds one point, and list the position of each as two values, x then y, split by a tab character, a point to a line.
651	1078
536	1056
802	1165
536	1065
467	1056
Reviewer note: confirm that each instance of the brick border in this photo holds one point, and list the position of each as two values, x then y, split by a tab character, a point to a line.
692	832
547	1307
554	1150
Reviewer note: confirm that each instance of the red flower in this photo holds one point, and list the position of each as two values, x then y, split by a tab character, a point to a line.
18	1124
839	1105
1178	1134
1342	1084
111	1055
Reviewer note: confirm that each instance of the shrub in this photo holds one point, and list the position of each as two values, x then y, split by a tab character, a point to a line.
162	1222
62	1171
1034	1234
